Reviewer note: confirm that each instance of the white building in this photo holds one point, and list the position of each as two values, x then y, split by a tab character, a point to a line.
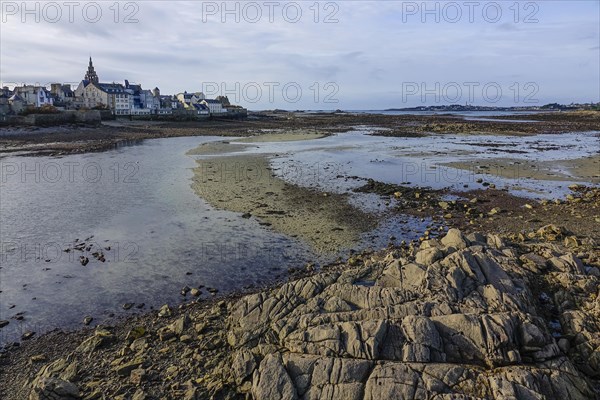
214	106
37	96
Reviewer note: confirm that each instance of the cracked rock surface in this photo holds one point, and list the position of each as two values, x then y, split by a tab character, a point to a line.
458	320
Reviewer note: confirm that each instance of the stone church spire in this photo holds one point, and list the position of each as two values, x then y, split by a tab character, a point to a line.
91	73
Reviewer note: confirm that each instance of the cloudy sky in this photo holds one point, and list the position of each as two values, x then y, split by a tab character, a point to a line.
315	55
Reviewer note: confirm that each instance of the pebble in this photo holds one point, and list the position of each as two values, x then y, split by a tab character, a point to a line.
137	376
27	335
495	210
165	311
38	358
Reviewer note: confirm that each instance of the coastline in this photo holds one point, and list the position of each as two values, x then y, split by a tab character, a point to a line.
78	139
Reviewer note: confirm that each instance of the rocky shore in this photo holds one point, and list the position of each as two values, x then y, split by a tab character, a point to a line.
457	316
497	299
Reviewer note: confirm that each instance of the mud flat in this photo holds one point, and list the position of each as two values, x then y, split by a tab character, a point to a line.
78	139
240	144
246	184
585	169
284	136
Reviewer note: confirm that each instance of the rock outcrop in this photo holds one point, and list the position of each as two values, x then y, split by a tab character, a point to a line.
460	319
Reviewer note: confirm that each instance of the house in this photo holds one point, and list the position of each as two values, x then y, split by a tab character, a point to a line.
119	99
17	104
4	106
168	104
214	106
201	109
62	94
144	101
224	100
134	91
149	100
189	99
36	96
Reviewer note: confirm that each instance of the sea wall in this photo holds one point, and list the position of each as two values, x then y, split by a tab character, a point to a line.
65	117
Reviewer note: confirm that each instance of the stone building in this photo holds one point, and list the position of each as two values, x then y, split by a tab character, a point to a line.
36	96
17	104
63	95
93	94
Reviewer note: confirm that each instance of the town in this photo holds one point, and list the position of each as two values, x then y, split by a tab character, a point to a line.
93	100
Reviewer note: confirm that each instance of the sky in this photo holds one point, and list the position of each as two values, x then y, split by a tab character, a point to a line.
352	55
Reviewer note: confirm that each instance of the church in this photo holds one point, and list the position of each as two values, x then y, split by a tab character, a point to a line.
91	93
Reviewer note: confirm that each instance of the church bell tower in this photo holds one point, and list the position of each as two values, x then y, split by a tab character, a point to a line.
91	73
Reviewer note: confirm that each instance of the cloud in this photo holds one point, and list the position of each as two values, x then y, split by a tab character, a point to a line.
369	53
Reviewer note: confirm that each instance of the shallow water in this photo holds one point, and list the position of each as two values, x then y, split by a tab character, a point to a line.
137	201
473	114
327	163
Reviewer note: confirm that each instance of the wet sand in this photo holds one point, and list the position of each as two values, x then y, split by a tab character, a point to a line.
235	145
246	184
287	136
585	169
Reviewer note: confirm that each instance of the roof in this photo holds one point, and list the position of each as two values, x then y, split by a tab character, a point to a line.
200	106
212	101
111	87
16	97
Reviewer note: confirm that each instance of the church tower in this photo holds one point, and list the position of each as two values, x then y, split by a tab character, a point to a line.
91	74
